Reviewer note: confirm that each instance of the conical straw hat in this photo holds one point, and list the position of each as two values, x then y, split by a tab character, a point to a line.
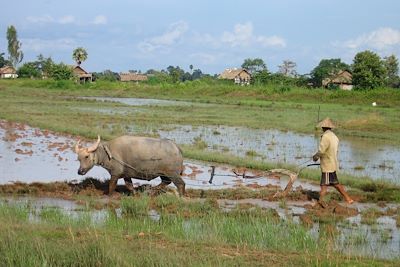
326	123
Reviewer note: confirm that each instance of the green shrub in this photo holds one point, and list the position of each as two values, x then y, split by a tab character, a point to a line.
60	72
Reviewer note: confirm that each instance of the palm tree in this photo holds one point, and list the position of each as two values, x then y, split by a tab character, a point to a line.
79	55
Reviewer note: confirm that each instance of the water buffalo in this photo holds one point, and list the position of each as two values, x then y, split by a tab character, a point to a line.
134	157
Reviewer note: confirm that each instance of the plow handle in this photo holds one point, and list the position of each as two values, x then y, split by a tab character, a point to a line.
212	174
313	164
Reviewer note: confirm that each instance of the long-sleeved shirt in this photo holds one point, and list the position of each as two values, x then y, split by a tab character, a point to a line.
328	151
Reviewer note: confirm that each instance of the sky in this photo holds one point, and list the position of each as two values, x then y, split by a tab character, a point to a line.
210	35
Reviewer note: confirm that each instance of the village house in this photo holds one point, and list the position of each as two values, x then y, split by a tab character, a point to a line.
132	77
8	72
239	76
81	75
343	80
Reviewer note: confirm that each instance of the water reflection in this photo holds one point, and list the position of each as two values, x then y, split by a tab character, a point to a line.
357	156
31	155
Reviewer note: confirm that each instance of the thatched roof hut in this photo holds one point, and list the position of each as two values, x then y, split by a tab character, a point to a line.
8	72
239	76
132	77
82	74
343	79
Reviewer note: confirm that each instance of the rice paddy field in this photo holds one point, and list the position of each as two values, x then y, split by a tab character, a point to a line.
204	228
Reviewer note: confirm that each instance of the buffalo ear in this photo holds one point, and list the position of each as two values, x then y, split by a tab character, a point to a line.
94	146
76	147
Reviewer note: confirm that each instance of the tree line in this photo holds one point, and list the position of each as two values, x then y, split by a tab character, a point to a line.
368	69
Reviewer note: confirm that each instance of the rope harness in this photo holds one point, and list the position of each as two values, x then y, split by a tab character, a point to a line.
111	157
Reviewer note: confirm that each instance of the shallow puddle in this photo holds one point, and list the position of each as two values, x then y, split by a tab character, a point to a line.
66	207
381	240
32	155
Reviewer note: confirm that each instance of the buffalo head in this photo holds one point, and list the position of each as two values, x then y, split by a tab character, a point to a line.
86	156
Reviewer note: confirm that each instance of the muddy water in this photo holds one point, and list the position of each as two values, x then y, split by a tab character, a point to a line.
360	157
67	207
31	155
381	240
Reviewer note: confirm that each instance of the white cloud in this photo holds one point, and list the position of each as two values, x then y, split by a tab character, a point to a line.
271	41
40	19
67	19
41	45
170	37
100	19
380	39
205	40
243	35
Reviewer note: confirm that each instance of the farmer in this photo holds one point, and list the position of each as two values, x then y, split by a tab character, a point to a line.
327	153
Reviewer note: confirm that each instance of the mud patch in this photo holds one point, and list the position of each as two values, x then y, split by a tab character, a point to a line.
330	212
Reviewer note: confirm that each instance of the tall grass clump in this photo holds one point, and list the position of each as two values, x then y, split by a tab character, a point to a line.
20	249
53	215
138	206
257	228
262	229
167	203
14	213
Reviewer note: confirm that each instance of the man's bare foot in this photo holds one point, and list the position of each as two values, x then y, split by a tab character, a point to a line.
350	201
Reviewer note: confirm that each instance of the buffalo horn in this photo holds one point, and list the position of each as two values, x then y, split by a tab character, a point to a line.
77	146
94	146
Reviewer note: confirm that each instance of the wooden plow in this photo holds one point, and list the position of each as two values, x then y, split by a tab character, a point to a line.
292	177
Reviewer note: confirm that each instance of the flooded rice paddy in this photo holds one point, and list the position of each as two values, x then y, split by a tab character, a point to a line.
32	155
358	156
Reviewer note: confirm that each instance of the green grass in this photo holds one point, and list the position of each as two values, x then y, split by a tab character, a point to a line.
217	91
370	215
188	233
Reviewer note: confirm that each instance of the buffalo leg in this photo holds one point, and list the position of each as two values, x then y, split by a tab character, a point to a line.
112	185
180	184
164	182
129	184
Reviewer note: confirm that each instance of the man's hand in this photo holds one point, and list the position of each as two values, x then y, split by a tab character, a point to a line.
315	157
